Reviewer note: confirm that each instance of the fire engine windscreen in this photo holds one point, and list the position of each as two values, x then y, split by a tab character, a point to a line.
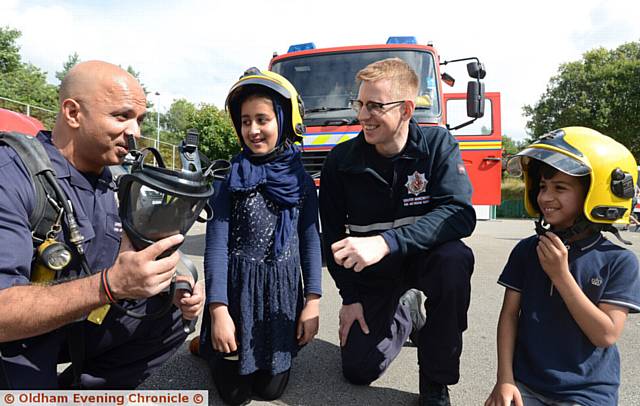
327	82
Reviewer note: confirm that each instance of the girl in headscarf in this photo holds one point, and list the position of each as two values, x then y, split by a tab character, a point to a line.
263	238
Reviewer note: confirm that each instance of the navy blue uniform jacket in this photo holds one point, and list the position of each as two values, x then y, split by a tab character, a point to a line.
94	205
427	202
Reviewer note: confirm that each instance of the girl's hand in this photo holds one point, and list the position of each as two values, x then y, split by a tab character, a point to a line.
223	330
503	394
309	320
553	255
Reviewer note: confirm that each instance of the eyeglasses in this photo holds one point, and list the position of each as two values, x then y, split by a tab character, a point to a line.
374	108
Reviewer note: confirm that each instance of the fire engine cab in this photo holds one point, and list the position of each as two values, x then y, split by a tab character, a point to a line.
12	121
325	78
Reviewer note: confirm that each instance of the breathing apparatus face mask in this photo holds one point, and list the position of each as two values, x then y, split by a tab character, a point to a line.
157	202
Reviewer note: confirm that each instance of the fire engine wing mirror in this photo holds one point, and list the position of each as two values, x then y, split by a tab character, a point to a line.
475	99
476	70
448	79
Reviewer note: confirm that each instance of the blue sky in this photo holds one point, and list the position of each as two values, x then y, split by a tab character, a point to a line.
197	49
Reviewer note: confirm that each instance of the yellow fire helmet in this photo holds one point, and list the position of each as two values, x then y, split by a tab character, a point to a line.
294	108
579	151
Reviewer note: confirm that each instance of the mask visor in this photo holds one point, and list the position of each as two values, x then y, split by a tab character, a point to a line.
155	215
563	163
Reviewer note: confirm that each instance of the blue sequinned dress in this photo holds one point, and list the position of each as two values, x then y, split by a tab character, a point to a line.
264	294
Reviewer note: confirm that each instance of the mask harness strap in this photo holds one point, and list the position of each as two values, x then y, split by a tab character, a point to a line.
578	227
188	326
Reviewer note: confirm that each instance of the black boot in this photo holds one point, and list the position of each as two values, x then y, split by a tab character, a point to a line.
435	394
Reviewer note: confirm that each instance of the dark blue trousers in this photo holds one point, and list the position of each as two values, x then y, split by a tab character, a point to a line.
444	275
120	353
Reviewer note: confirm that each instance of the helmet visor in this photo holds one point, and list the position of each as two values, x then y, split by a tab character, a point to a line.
156	214
563	163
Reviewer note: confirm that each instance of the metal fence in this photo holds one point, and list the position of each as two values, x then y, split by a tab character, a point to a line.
41	113
512	208
168	151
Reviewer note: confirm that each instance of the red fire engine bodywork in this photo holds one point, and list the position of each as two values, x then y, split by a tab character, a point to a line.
12	121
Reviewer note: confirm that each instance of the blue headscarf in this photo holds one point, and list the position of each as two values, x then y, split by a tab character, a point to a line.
280	178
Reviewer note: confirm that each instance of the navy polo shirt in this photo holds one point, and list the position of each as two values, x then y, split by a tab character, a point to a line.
552	355
92	199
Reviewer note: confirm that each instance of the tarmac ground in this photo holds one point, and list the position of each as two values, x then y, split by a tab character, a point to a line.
316	377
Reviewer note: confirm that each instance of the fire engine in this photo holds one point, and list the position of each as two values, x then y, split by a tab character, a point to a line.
12	121
325	78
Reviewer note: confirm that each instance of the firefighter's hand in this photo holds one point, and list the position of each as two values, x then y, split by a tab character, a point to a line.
359	252
348	315
189	303
138	274
223	329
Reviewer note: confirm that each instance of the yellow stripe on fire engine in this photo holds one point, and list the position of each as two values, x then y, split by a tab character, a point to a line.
497	145
320	139
327	139
346	137
337	138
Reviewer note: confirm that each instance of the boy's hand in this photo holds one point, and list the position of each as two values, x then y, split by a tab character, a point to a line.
309	320
503	394
223	329
553	255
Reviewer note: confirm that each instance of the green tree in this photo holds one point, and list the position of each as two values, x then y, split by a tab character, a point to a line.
136	74
180	117
24	82
508	146
600	91
150	124
9	50
217	136
511	146
72	60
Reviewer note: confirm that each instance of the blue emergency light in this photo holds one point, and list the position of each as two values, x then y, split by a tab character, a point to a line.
402	40
302	47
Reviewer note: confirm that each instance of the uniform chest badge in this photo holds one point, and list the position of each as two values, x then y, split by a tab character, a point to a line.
416	183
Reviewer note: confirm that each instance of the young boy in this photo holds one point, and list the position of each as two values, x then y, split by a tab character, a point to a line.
568	288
